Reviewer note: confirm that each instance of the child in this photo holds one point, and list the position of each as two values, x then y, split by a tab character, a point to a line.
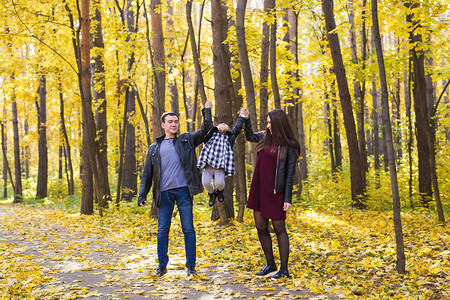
217	160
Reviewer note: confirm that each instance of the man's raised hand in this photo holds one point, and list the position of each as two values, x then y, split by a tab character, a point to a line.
208	104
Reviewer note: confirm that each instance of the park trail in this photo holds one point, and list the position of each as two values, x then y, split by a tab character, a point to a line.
83	265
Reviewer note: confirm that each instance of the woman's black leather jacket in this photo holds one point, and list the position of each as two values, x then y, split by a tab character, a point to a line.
286	163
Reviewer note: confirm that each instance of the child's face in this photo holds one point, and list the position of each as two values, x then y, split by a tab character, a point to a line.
223	128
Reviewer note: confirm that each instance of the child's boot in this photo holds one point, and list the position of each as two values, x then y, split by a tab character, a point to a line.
220	196
212	198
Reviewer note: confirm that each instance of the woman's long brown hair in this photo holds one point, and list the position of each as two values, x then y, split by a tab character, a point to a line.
282	132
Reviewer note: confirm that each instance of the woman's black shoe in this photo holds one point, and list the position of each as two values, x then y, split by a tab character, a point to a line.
212	199
281	274
266	270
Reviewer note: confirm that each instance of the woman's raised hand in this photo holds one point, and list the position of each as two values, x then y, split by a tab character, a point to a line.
244	113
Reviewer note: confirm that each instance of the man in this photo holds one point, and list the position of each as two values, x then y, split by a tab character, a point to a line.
171	166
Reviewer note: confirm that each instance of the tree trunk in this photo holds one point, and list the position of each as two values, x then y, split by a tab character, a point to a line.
298	102
42	179
90	151
357	184
99	94
246	69
264	71
173	89
375	134
60	161
358	93
6	168
159	65
195	54
17	170
239	149
85	89
5	163
129	181
273	57
122	134
336	130
408	101
401	261
420	108
446	92
244	61
87	191
223	92
68	155
329	139
26	151
423	121
396	116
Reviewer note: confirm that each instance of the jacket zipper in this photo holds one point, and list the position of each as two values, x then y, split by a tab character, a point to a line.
276	170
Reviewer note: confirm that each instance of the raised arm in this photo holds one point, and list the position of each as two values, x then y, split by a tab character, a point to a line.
249	134
207	124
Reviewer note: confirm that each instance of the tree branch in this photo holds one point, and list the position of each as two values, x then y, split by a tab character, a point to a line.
41	41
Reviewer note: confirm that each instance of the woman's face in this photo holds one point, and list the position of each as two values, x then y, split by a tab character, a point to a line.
269	124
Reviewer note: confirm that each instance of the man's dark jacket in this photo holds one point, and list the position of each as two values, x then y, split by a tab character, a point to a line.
185	145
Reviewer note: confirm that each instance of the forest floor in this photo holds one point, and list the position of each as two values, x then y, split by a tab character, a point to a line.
50	251
50	260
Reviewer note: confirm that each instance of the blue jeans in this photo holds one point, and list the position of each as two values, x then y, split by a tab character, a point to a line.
183	199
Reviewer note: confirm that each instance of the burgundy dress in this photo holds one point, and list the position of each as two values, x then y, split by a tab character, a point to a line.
262	197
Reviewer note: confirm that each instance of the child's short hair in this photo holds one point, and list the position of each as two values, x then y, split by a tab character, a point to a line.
223	128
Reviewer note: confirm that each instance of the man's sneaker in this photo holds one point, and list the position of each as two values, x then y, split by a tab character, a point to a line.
212	199
161	271
220	196
191	271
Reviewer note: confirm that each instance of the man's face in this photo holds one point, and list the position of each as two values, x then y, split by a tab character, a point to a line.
170	125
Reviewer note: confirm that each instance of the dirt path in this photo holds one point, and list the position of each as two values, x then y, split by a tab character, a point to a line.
88	265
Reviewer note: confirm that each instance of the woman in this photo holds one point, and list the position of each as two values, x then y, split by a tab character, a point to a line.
271	189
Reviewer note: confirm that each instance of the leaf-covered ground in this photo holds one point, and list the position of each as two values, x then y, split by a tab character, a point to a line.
48	251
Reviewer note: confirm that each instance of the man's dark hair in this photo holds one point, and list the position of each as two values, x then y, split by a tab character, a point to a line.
169	113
